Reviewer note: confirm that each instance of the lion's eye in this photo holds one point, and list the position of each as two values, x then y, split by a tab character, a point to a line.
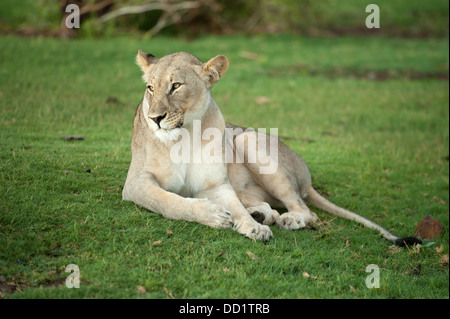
150	88
175	86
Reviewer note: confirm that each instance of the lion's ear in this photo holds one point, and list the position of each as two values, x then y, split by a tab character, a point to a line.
215	68
144	60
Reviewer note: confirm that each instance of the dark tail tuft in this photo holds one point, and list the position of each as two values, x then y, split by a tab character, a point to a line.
407	241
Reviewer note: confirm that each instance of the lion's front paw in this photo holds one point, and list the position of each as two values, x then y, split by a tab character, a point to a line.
207	213
252	229
296	220
220	217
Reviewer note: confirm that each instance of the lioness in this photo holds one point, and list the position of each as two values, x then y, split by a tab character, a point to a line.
219	194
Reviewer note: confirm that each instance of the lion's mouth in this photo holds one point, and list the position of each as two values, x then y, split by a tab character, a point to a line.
169	129
169	133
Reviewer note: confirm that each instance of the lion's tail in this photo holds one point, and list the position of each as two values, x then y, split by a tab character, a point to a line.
317	200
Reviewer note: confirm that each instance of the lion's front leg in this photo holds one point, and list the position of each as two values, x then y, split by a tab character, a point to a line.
146	192
224	195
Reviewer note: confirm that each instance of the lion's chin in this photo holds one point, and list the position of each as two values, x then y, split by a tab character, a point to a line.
169	134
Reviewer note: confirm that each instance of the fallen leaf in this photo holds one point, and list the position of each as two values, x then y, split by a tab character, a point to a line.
251	55
226	270
428	228
141	290
262	100
252	256
439	200
112	99
169	232
169	292
415	250
444	261
394	249
308	140
306	275
439	249
355	255
157	243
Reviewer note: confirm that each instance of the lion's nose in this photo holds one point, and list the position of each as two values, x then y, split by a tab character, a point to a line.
158	119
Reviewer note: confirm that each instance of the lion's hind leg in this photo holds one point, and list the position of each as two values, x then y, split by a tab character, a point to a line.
259	203
298	214
254	198
281	187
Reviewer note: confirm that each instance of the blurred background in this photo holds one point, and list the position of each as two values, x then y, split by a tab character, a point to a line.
192	18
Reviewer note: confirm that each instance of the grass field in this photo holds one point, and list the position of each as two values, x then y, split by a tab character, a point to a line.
370	117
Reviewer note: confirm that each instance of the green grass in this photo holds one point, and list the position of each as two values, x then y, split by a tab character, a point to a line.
379	148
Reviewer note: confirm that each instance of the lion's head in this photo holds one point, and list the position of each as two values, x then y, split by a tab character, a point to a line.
178	88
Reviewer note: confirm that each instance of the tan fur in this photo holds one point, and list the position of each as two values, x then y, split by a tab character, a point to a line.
193	192
218	195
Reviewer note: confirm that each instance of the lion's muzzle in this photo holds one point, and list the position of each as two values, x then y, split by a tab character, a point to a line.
158	119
